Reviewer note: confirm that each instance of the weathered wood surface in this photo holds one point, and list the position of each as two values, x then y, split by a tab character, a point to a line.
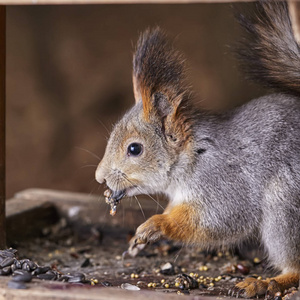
39	290
37	207
93	209
35	2
2	125
30	211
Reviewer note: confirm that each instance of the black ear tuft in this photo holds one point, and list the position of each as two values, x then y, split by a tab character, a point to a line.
158	69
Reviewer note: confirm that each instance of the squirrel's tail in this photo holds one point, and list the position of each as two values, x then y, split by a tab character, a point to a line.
270	51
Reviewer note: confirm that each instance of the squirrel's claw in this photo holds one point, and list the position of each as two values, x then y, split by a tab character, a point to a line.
249	288
146	233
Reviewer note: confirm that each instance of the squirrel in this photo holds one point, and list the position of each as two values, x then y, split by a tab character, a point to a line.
228	176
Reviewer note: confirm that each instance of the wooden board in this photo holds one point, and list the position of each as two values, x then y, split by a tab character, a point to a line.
34	2
35	209
60	291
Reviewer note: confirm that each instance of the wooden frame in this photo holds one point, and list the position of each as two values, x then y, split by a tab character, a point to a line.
2	124
294	9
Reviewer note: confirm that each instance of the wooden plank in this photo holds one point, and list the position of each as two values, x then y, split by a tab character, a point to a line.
2	126
39	290
36	2
93	209
34	216
36	209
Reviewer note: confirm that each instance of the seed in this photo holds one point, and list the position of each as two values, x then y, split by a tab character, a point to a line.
8	261
259	278
154	284
205	268
183	270
191	274
46	276
243	269
18	264
211	284
256	260
105	283
149	284
132	275
25	277
162	281
13	267
76	278
177	284
5	271
136	275
107	193
167	285
32	265
25	266
40	270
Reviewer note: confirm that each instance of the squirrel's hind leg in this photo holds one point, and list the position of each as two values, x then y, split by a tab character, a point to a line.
251	287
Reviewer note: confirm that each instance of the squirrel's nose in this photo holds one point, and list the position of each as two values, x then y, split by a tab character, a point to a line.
100	173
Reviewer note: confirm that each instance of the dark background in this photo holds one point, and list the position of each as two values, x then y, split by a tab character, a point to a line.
69	80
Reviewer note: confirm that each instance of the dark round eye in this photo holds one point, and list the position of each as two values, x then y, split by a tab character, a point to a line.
135	149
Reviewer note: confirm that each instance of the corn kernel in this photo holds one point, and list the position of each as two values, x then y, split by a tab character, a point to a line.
177	284
167	285
162	281
150	284
256	260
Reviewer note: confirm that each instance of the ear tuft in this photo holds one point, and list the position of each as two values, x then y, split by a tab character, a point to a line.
158	70
159	82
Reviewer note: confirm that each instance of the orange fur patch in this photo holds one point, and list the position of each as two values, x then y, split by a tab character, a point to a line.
179	223
252	286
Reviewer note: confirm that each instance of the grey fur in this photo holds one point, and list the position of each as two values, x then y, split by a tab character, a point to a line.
240	169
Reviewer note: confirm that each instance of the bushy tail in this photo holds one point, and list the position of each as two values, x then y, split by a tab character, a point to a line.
270	51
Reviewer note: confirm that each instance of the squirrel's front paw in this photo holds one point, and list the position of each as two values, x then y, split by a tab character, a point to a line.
146	233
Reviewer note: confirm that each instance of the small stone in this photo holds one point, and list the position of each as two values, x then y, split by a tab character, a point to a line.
130	287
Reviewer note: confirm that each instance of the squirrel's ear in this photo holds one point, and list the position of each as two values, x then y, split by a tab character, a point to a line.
158	74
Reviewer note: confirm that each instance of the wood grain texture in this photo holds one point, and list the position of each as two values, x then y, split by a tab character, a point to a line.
2	125
35	2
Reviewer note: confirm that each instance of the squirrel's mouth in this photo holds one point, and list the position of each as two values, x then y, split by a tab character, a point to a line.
113	198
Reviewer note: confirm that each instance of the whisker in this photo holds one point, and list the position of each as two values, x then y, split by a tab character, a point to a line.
87	166
137	200
143	192
108	132
177	254
90	152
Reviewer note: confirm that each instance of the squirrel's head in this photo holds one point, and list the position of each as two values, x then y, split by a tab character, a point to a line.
147	144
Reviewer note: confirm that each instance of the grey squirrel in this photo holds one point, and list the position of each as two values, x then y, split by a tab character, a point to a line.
229	176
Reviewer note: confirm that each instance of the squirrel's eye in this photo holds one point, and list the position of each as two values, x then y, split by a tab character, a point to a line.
135	149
